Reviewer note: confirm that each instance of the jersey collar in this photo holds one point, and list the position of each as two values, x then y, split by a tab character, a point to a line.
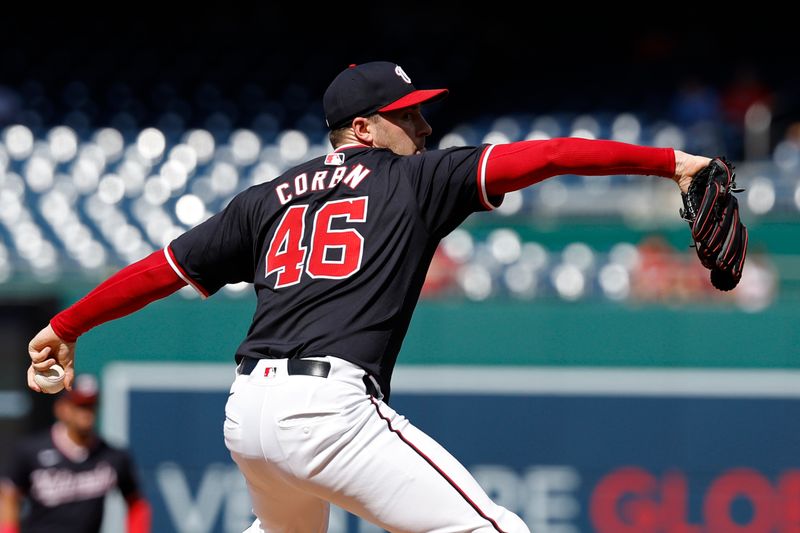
350	146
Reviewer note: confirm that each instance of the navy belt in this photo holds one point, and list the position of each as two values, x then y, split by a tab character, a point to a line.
294	367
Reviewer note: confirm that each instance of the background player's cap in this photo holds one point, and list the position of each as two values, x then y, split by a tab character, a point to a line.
362	90
84	390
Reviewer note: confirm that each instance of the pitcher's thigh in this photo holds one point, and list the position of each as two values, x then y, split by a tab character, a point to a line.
404	481
279	505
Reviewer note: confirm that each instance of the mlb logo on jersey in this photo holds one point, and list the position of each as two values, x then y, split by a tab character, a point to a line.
334	159
270	372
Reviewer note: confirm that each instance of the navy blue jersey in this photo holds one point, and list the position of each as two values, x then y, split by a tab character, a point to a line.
337	249
65	494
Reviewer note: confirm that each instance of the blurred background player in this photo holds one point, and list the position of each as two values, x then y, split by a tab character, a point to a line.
58	480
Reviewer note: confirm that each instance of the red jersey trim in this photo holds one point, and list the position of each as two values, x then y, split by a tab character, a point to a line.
483	196
173	263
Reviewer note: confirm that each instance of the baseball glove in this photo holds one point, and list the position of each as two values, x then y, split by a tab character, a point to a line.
712	211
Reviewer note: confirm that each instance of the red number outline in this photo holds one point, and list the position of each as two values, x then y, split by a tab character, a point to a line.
288	238
316	258
286	229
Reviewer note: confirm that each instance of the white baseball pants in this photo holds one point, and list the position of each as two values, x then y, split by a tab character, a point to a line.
303	442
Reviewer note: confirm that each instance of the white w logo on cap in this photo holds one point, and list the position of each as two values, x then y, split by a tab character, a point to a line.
400	72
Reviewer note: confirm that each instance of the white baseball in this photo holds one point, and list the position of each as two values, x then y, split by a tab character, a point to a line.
52	380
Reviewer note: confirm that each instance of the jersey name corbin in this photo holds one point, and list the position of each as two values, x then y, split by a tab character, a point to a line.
321	180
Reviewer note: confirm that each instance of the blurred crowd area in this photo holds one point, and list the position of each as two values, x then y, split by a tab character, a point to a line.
651	271
114	139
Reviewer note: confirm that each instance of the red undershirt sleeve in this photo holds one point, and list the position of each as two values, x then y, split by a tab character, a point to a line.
139	516
514	166
127	291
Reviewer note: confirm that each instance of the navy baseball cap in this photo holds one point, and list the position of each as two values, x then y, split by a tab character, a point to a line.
368	88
